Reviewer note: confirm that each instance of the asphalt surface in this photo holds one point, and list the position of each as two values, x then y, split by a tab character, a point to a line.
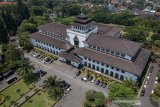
76	97
145	101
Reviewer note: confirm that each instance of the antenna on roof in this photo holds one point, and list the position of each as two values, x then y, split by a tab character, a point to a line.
81	9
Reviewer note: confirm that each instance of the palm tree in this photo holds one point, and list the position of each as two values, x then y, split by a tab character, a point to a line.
24	67
54	87
51	82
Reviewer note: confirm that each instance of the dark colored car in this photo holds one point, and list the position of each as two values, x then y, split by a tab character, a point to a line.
67	86
97	83
78	73
143	92
8	74
101	83
104	85
1	78
50	61
90	78
63	84
41	72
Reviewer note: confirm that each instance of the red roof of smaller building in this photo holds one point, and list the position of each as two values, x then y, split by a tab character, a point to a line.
7	3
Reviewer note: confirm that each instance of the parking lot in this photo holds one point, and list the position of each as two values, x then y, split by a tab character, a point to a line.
74	98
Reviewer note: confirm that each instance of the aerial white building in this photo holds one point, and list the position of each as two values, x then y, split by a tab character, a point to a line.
97	46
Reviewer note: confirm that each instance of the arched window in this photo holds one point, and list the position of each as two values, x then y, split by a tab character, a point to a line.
122	77
111	74
102	70
85	63
106	72
116	76
93	66
89	65
97	68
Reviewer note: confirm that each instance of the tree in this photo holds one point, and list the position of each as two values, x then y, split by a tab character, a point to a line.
51	82
31	78
9	22
157	90
24	68
37	10
53	85
157	43
67	21
21	11
136	33
131	84
121	92
12	54
3	32
94	98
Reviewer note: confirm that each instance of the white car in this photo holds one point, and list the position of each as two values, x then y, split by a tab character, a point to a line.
147	77
152	91
145	86
93	80
84	79
43	61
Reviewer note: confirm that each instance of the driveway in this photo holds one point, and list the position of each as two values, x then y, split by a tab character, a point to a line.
76	97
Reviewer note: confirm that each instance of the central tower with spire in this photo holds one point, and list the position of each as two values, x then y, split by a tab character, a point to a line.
80	30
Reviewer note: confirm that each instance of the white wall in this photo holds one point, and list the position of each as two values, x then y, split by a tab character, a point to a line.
82	37
51	49
125	74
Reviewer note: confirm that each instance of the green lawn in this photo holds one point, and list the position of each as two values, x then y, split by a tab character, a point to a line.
13	94
40	99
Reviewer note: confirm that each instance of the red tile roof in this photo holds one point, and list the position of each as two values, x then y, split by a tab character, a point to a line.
7	3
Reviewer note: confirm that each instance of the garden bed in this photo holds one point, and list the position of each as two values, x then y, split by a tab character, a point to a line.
45	53
40	99
14	92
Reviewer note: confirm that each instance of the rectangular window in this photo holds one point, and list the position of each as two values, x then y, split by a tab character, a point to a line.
97	62
98	48
107	66
122	71
123	55
117	53
102	49
107	51
117	69
102	64
94	47
112	52
93	60
112	67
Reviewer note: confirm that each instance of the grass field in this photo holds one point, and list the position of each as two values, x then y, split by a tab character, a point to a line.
13	92
40	99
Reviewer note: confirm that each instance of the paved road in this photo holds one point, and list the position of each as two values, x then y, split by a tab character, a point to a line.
145	102
76	97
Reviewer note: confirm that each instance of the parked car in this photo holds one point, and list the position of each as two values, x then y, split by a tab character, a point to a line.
104	85
67	86
41	73
50	61
11	79
68	90
93	80
145	86
84	79
7	74
1	78
101	83
97	83
63	84
90	78
78	73
143	92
